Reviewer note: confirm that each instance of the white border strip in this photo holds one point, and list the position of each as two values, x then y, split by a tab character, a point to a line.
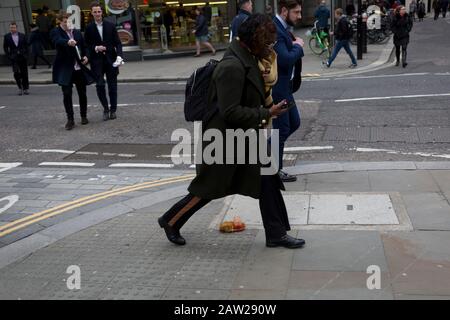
67	164
291	149
394	97
9	165
141	165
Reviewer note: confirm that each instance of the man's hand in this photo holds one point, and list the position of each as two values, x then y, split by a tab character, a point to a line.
85	60
72	43
100	48
299	41
278	109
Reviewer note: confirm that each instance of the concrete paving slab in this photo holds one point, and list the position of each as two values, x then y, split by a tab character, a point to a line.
242	294
419	262
58	290
339	251
248	209
314	168
409	181
338	182
131	293
442	178
195	294
433	165
401	296
428	211
366	209
264	268
382	165
20	289
326	285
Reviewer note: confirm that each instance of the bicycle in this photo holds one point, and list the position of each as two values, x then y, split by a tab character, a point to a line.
318	41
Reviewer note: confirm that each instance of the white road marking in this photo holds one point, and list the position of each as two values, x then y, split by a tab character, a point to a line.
383	76
88	153
421	154
293	149
69	164
141	165
395	97
9	165
11	201
49	151
135	104
2	107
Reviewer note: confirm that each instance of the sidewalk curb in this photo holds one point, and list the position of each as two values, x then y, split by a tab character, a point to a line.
377	65
20	249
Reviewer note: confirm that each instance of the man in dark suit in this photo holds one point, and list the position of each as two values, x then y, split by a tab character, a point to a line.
69	68
105	53
289	51
16	49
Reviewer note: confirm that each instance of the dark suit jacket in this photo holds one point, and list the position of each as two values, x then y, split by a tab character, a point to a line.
13	52
63	65
287	56
110	40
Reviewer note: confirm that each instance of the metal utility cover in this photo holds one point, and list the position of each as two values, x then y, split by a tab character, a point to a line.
248	209
350	209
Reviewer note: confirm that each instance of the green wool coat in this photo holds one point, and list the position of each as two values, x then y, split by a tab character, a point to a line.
238	86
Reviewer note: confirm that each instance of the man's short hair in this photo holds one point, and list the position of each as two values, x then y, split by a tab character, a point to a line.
242	2
95	4
339	11
62	16
288	4
13	23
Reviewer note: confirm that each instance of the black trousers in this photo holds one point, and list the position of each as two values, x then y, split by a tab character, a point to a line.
111	80
80	84
20	70
271	203
397	52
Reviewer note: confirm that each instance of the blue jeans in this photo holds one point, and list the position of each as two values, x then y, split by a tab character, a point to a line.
339	45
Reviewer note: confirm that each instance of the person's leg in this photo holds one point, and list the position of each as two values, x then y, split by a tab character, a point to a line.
197	46
397	54
346	45
178	215
24	75
111	79
282	124
210	47
17	76
404	63
336	50
35	56
274	214
68	106
81	89
101	91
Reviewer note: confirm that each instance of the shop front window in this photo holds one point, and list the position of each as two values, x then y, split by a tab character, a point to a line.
169	25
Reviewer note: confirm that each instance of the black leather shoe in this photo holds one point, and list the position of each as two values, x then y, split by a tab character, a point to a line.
20	92
112	115
172	234
84	120
286	177
286	241
70	124
25	92
105	116
397	63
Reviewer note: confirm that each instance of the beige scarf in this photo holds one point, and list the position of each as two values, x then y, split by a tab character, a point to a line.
269	71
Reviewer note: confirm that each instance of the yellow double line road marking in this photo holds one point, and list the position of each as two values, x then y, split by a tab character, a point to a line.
36	217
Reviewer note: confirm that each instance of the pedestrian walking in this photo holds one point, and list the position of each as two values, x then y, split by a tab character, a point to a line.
35	42
436	8
413	9
239	86
401	25
44	25
322	15
421	10
290	52
70	68
343	33
105	53
201	33
15	46
245	10
444	7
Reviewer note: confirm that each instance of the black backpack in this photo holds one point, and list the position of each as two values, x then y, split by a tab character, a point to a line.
349	31
196	106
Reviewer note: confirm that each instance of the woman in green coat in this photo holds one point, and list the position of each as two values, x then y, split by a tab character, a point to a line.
239	89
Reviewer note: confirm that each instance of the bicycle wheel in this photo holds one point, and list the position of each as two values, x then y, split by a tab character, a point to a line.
315	46
327	48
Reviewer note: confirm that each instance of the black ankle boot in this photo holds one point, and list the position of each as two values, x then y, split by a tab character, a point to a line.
70	124
173	235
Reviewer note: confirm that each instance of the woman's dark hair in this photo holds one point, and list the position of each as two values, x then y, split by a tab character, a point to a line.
257	33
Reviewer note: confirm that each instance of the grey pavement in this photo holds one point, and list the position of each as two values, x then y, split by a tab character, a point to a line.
181	67
123	254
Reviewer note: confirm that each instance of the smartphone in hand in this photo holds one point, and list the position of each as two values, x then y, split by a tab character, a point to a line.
288	105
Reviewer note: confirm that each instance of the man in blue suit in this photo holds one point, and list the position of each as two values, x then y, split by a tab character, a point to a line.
289	51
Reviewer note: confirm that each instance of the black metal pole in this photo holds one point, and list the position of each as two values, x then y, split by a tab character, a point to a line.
364	34
359	32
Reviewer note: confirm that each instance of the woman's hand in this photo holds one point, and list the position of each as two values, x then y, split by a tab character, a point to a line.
278	109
